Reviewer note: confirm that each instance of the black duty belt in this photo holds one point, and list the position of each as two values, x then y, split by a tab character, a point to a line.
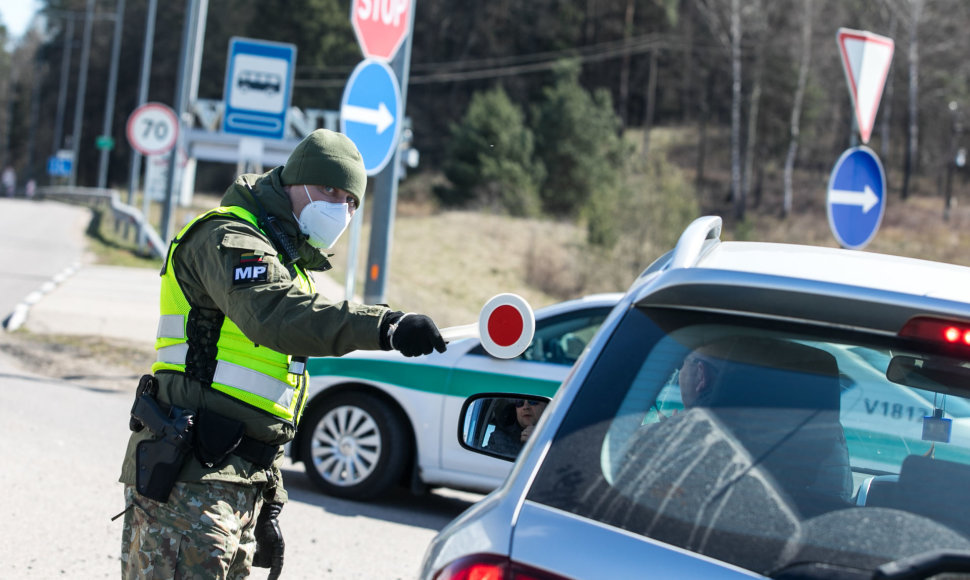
212	437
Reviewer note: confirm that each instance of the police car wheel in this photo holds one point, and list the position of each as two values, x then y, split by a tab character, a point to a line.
354	446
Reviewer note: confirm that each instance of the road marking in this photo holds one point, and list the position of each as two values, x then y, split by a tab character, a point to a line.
17	318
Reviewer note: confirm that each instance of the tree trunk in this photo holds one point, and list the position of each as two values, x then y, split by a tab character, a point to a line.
736	192
702	134
687	57
912	136
624	92
651	100
753	110
796	111
887	110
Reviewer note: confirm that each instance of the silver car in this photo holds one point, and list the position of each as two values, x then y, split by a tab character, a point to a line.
746	410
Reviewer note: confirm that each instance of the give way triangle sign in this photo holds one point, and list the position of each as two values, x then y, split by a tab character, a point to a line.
865	59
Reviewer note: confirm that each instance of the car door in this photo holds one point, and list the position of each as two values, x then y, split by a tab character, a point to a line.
558	342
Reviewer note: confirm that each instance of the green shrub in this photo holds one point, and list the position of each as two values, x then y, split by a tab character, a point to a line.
490	159
578	142
629	231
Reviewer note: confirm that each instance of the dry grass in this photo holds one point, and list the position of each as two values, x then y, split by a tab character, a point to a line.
914	227
92	362
449	264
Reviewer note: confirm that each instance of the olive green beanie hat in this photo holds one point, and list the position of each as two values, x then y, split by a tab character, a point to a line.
326	157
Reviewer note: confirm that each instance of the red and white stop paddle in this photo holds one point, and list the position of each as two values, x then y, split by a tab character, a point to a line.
505	326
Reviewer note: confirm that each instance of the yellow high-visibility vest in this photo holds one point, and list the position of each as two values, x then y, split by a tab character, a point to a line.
256	375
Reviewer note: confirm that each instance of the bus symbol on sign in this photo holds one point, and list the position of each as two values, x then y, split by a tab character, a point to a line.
250	80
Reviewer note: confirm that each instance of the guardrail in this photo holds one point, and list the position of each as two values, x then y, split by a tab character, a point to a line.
123	213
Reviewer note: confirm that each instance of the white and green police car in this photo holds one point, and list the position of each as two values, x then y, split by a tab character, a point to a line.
376	419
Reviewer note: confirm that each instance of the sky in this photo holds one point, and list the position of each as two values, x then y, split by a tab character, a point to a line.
16	14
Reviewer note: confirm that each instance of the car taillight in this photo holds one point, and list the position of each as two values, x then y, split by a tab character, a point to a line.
491	567
938	330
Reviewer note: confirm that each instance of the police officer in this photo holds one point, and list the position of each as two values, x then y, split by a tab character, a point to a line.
239	316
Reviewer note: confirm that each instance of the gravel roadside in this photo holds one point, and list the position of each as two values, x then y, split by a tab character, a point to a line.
86	361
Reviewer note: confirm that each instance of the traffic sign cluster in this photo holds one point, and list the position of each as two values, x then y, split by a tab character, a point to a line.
856	198
371	109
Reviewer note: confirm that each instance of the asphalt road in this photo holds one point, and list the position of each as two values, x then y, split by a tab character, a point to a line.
62	450
63	442
40	241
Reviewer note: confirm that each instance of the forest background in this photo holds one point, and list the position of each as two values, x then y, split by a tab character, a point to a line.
605	125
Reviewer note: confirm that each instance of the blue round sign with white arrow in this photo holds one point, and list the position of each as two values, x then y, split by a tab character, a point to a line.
370	113
856	198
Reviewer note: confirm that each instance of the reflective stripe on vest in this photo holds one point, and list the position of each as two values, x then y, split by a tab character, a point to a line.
256	375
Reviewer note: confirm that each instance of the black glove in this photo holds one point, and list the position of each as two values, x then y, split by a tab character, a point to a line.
269	540
413	334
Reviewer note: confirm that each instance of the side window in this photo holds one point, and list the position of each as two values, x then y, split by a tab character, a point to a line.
561	339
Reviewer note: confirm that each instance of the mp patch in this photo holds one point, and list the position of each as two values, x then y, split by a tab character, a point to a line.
251	268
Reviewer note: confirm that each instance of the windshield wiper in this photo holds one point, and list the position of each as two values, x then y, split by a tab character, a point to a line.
924	565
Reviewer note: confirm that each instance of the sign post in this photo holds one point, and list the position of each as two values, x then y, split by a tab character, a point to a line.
865	59
383	29
856	198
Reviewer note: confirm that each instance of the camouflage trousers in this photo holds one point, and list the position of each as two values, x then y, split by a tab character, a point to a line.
203	531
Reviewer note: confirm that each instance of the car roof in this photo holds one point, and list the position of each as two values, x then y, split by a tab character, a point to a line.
839	266
852	287
589	301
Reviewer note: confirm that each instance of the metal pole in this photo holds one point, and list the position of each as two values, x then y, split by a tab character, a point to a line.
8	118
185	58
385	190
146	70
188	171
109	106
82	87
62	91
202	13
353	245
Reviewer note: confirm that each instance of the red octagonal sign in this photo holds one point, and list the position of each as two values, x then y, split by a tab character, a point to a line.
381	26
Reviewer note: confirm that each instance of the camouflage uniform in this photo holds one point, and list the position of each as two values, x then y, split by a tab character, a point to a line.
210	513
203	531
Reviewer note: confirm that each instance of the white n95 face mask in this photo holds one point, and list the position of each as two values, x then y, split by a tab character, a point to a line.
323	221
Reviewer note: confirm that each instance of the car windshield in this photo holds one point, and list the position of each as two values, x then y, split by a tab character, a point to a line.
769	445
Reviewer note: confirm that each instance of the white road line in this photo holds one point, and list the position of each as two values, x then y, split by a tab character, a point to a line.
17	318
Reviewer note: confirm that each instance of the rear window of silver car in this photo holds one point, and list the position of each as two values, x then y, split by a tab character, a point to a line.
799	451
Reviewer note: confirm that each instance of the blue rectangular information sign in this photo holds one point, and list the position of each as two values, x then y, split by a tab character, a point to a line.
259	81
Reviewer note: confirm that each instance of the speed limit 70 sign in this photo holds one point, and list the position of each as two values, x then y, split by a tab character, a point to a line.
152	129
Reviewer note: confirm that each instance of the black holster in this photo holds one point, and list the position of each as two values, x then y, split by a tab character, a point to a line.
159	460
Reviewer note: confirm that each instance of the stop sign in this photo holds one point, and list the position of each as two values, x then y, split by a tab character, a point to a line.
380	25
